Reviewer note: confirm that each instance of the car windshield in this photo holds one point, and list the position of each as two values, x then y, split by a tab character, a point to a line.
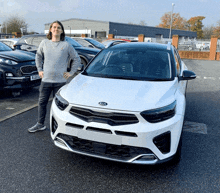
96	43
131	64
82	42
3	47
73	42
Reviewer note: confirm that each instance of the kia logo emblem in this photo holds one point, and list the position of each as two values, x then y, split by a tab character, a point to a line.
103	103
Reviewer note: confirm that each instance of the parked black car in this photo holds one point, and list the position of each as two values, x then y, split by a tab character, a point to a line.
31	42
17	69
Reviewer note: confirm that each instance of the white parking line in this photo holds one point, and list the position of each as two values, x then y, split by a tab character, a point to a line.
19	112
210	78
195	127
207	78
10	108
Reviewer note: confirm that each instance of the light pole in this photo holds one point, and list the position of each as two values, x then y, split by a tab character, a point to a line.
21	31
115	32
70	30
171	20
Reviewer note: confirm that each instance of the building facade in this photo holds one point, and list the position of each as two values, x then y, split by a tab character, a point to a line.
101	29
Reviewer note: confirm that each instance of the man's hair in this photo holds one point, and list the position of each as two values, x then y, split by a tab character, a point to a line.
62	35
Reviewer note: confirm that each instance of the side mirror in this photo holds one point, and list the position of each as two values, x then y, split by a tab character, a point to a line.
187	75
80	68
17	47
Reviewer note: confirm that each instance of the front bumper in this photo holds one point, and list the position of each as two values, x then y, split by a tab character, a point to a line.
139	143
23	82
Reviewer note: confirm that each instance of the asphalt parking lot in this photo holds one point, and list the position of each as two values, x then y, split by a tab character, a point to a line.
14	105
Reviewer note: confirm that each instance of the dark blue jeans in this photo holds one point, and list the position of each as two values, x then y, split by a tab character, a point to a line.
46	89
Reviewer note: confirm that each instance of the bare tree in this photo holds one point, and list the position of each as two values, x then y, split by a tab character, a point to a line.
142	22
131	23
14	24
208	31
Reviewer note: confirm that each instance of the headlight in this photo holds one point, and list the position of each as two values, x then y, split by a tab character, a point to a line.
161	114
10	62
60	101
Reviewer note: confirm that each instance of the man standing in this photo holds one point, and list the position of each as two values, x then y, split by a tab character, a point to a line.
52	58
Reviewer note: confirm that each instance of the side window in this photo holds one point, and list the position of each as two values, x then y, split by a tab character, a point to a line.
37	40
177	60
11	44
28	41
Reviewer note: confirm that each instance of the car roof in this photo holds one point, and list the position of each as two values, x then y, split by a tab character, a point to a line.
146	45
33	35
11	39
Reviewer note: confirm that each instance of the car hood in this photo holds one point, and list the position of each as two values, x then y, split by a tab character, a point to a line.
126	95
18	56
87	50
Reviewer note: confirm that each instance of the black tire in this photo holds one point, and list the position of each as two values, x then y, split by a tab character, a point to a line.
177	157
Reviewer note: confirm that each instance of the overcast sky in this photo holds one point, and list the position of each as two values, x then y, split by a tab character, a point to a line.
38	12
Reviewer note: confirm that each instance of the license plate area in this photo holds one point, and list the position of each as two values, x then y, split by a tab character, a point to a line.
99	137
35	77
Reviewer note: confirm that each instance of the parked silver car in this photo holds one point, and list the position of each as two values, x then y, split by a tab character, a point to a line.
109	43
89	42
10	42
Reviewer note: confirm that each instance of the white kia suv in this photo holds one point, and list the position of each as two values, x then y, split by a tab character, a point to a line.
127	105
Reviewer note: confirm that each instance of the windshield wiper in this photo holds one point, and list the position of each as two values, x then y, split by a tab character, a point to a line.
126	78
159	79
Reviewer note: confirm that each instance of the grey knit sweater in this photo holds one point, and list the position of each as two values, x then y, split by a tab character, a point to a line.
52	58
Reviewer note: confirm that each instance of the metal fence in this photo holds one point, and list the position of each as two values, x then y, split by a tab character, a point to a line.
195	45
4	36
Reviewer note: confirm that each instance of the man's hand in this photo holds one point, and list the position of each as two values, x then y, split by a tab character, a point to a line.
41	74
66	75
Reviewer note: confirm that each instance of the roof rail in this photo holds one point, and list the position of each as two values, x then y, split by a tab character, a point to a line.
168	45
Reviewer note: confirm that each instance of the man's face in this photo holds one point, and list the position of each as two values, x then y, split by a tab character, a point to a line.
56	29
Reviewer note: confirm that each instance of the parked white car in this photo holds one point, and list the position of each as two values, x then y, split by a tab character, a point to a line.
128	105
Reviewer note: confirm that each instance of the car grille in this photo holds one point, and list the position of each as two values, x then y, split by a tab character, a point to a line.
113	119
122	152
28	69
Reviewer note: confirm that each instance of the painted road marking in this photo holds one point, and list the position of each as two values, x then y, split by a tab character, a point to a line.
19	112
210	78
195	127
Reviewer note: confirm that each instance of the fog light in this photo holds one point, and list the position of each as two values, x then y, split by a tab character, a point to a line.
60	141
9	74
147	158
